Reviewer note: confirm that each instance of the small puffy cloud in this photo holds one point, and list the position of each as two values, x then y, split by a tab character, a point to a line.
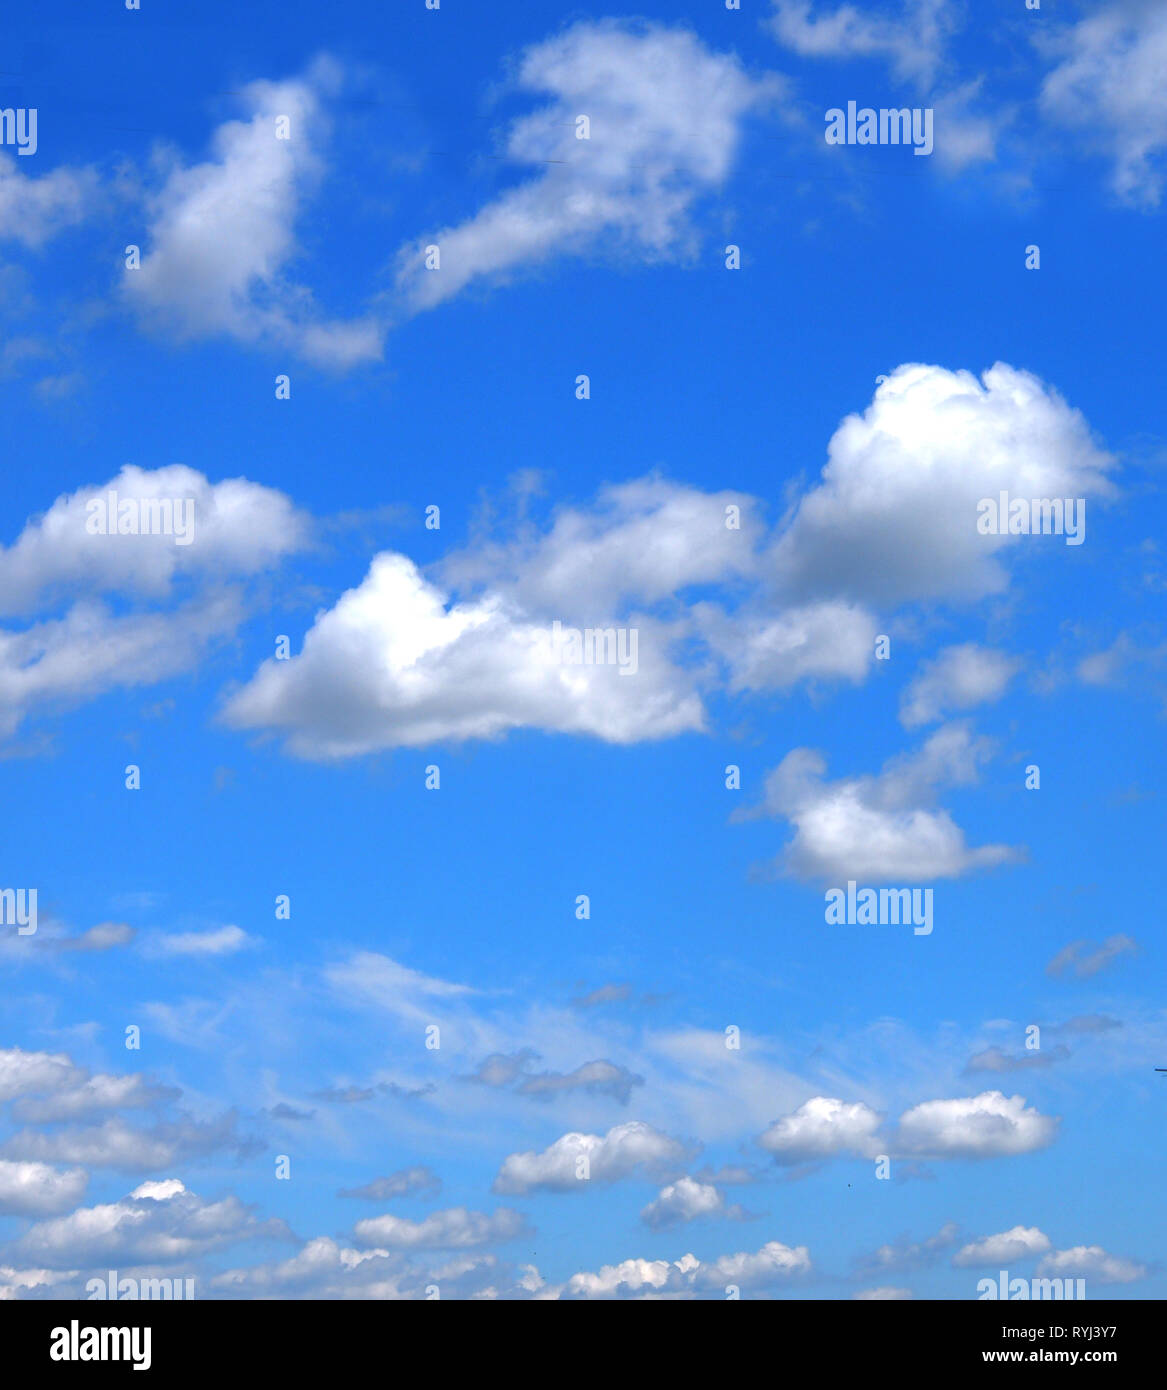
35	1189
236	528
933	444
35	1073
221	233
158	1222
1084	959
958	678
219	941
574	1160
686	1200
1090	1262
1107	87
885	1293
455	1229
881	828
822	1128
990	1125
407	1182
631	186
1017	1244
772	1265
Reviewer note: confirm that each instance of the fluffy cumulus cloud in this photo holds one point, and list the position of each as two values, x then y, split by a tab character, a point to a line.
575	1160
822	1128
221	234
957	678
1107	87
1017	1244
396	663
158	1221
686	1200
167	548
885	827
990	1125
771	1266
631	185
86	543
933	444
35	1189
1090	1262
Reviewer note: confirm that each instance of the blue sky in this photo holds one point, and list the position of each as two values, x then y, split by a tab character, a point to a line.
882	360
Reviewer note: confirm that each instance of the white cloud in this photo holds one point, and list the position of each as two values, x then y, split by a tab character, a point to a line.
1108	86
221	233
455	1229
1090	1262
880	828
92	1096
823	641
33	1073
666	116
989	1125
396	663
957	678
684	1200
132	1149
239	528
912	43
575	1160
773	1264
822	1128
916	463
35	1189
33	210
218	941
157	1222
1019	1243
